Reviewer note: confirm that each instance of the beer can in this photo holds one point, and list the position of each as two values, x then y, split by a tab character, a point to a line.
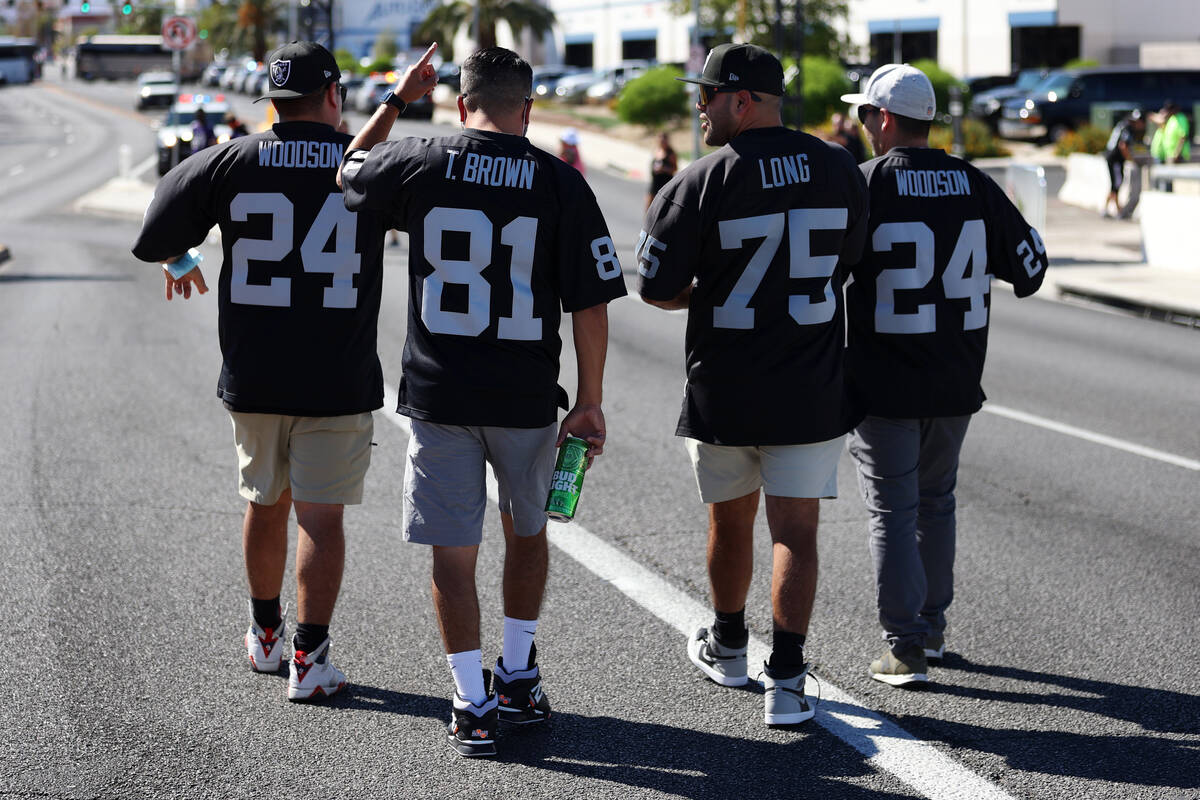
568	480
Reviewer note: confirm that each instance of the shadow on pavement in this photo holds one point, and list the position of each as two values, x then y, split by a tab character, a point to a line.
659	757
21	277
1143	760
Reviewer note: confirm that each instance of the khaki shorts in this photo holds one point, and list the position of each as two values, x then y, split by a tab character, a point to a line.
795	470
322	459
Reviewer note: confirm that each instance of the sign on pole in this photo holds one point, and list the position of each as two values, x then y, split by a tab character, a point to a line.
178	33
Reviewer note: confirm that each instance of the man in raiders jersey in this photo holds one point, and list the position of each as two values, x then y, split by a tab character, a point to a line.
297	319
918	309
753	240
501	234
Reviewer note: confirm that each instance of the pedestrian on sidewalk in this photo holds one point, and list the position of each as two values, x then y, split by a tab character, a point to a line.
1172	142
300	375
1124	137
918	314
662	168
518	234
568	150
753	240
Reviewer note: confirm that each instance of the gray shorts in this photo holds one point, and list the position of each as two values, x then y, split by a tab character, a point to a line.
445	488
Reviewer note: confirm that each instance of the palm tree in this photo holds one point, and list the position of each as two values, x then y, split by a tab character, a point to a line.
444	21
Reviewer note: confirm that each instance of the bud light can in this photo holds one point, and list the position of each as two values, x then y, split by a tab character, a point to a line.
568	480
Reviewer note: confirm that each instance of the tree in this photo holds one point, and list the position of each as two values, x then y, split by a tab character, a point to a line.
144	20
446	20
758	17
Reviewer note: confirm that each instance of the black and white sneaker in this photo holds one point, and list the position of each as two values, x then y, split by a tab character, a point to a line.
519	693
472	728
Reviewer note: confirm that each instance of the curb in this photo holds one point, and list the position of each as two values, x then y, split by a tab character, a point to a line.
1147	309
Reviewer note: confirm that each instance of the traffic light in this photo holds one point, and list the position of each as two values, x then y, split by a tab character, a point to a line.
85	7
127	9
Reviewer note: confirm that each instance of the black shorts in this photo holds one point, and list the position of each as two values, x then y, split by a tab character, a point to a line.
1116	174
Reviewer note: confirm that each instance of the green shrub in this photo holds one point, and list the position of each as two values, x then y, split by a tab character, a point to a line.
941	80
654	99
825	82
1081	63
978	140
380	65
346	61
1087	139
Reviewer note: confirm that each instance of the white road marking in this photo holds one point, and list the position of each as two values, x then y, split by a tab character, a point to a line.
889	747
137	171
1091	436
17	170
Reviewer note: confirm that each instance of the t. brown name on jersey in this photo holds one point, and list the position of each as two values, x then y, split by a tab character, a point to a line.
314	155
783	170
515	173
932	182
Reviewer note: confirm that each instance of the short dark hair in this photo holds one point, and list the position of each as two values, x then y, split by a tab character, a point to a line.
304	106
495	80
910	128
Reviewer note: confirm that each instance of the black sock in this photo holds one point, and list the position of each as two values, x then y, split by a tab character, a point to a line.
309	637
787	652
266	612
730	629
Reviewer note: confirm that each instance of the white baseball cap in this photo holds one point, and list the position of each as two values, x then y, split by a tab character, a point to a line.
901	89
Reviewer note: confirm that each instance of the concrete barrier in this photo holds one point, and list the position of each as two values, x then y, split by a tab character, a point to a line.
1026	186
1087	184
1169	233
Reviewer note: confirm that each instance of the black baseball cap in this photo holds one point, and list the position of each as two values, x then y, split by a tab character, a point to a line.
298	69
741	66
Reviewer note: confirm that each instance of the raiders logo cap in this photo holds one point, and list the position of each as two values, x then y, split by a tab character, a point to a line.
297	69
741	66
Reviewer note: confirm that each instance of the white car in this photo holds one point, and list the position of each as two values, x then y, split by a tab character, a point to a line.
156	89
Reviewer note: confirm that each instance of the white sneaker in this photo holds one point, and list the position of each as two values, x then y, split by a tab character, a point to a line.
784	702
265	645
311	675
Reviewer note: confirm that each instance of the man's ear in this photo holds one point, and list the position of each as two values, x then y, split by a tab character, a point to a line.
462	109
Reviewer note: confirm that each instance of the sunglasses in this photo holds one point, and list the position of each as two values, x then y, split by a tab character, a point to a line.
863	111
709	93
342	92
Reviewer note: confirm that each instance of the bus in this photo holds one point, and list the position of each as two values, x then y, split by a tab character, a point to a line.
112	57
17	62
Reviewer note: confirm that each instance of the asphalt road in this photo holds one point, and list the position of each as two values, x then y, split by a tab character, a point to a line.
1073	639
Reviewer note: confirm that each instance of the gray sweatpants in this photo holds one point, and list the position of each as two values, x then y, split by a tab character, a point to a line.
907	471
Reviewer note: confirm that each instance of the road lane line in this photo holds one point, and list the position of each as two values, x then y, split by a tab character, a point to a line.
887	746
144	166
1091	436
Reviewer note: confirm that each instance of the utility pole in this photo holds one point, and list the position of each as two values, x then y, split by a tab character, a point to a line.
799	64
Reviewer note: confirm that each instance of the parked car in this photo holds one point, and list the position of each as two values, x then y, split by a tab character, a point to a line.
615	79
546	78
448	75
175	132
235	73
211	76
156	89
1064	100
370	95
986	104
254	82
573	88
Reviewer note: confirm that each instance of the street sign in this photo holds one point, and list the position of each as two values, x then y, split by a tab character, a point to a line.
178	33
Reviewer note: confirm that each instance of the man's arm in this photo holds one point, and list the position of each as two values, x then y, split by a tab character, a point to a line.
418	80
679	301
586	420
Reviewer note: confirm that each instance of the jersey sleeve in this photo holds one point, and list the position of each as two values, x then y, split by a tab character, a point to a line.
373	180
181	213
668	248
589	272
1016	252
858	204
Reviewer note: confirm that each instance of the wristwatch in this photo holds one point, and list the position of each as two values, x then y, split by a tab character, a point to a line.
392	99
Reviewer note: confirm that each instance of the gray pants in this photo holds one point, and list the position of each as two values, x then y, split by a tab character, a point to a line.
907	471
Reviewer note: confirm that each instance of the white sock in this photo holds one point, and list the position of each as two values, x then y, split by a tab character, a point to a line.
518	639
467	670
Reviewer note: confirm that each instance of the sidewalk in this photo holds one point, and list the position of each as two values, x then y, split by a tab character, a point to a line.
1093	259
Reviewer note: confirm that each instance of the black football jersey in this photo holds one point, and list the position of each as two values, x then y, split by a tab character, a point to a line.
920	298
500	235
298	293
765	228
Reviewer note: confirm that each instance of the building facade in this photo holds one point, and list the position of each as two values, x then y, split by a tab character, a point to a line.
994	37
